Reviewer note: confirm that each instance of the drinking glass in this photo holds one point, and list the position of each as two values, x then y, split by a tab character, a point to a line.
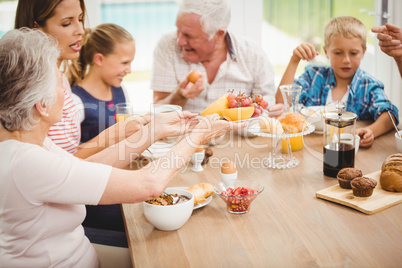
291	94
123	111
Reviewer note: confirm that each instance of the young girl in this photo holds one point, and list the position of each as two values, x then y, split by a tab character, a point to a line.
104	60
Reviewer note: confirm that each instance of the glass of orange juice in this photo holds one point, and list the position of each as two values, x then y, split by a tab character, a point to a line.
123	111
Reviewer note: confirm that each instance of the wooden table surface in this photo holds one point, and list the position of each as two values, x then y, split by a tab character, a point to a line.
287	226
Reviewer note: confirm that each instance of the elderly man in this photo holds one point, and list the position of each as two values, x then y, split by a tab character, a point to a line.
202	42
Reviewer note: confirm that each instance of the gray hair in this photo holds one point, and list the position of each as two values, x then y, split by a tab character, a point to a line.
28	74
215	14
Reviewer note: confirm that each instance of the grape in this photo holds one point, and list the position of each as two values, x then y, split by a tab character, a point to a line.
233	104
264	104
257	111
246	102
258	98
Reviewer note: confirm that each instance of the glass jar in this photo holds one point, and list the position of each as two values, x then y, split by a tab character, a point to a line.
339	141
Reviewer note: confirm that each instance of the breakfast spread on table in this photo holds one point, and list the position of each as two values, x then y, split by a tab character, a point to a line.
370	193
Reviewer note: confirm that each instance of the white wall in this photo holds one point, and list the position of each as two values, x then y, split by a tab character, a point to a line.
247	18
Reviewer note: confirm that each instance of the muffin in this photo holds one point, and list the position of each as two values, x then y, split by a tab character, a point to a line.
363	186
293	122
346	175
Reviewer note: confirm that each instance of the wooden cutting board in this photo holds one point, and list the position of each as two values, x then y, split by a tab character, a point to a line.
380	199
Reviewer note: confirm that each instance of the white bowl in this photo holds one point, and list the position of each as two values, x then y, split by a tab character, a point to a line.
313	115
169	218
398	141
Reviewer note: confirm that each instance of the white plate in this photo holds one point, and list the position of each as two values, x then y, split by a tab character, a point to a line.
158	149
200	205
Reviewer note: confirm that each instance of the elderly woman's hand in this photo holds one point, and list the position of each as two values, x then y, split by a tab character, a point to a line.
173	124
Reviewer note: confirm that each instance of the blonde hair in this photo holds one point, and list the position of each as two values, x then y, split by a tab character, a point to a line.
346	26
102	39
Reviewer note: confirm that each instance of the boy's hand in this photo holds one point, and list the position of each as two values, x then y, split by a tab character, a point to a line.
305	51
366	137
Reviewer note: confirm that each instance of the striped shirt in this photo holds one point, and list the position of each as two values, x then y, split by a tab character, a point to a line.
67	132
246	69
367	98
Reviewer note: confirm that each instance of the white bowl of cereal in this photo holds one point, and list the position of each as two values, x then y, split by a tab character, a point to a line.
313	115
169	217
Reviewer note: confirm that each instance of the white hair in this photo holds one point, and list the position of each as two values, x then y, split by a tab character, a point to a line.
28	74
215	14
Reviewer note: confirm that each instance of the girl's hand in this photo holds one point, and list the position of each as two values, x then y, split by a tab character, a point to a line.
366	137
304	51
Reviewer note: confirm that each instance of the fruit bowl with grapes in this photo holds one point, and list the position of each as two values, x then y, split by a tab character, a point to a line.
239	197
242	107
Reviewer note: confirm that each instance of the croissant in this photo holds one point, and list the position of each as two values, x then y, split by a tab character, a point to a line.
201	192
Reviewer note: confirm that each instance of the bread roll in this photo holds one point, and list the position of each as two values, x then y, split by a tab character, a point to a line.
271	125
293	123
201	192
391	173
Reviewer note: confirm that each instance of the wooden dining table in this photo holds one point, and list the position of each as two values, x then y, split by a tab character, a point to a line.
287	225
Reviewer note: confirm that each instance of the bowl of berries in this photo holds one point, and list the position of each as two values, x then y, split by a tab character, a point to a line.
239	197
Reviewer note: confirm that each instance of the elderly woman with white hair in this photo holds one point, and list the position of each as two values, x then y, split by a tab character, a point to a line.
43	188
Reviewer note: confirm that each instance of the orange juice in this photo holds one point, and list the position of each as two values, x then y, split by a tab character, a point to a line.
296	143
121	117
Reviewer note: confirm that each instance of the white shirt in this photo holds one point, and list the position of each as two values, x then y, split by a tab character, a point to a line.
42	197
246	69
344	99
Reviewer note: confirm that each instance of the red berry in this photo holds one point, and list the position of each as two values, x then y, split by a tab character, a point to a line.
264	104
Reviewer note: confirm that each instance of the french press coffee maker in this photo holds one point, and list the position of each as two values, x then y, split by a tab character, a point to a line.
339	141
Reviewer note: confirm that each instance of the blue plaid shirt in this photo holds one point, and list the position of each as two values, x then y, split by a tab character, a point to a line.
366	98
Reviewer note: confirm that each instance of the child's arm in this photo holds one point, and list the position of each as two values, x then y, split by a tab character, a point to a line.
382	125
305	51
